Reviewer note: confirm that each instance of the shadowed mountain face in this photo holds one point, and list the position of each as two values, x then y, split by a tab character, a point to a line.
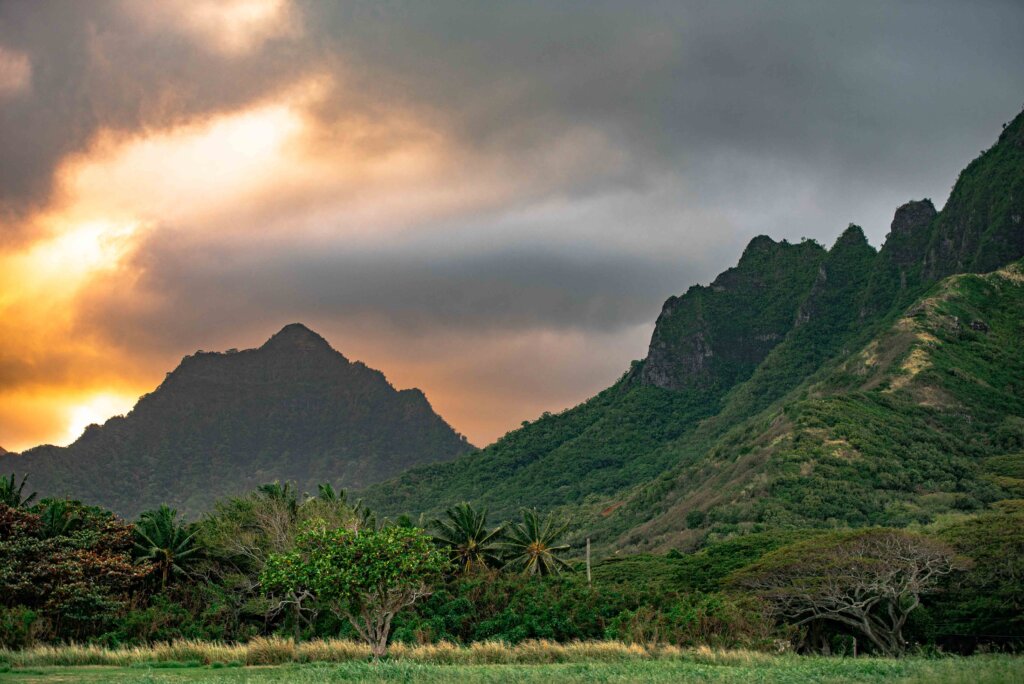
751	408
222	423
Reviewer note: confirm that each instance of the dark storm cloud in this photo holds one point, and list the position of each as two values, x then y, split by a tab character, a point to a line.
413	288
864	97
861	95
92	68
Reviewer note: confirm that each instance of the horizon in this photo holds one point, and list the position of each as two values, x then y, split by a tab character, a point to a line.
486	203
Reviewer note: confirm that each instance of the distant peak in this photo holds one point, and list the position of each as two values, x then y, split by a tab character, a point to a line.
851	237
298	337
912	216
762	244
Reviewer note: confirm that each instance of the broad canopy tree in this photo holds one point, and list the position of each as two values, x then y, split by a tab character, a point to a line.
867	580
366	577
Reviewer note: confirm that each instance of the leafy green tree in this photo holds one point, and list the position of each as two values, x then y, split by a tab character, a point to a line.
868	581
242	532
532	547
365	577
165	543
463	532
13	496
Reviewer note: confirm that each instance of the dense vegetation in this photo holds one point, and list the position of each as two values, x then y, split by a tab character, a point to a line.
222	423
273	562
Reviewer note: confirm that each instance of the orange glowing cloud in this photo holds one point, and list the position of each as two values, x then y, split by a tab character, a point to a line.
315	163
230	174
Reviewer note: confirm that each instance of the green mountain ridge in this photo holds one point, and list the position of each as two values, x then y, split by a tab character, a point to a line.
714	431
222	423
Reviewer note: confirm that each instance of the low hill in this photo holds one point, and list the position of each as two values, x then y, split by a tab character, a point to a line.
223	423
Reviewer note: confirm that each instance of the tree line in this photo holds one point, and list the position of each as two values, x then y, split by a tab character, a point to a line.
315	565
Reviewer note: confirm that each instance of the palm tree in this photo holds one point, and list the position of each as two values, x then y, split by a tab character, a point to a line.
164	542
530	546
285	493
59	518
12	496
464	532
364	517
325	492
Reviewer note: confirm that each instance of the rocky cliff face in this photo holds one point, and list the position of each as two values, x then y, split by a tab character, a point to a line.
982	225
714	336
221	423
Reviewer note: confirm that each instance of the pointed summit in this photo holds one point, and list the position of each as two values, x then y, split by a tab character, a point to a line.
222	423
297	337
852	238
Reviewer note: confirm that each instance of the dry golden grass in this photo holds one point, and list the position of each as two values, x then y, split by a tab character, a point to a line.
276	651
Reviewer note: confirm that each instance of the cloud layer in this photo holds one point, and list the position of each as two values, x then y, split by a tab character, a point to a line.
486	200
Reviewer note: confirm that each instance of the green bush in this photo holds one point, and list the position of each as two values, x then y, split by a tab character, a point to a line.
715	620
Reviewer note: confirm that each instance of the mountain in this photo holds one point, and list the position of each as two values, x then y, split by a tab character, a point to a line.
803	386
223	423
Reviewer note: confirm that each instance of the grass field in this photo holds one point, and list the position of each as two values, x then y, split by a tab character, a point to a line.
782	669
699	665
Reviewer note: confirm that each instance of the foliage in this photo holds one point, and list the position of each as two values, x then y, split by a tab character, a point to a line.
14	496
463	531
367	577
715	620
166	544
512	607
532	547
705	570
985	604
243	532
76	582
867	580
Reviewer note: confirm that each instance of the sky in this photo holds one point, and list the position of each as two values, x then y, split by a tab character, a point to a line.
488	201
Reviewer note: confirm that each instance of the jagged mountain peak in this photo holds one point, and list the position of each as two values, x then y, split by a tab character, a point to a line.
852	237
293	409
912	217
758	245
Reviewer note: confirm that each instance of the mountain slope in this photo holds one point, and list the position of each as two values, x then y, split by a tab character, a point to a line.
724	364
926	418
610	442
221	423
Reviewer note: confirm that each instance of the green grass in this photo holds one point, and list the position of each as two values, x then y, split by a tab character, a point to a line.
706	667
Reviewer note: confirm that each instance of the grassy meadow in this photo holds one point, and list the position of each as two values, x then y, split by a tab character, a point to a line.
266	660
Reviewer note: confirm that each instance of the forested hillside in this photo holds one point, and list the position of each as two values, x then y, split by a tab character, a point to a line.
222	423
803	386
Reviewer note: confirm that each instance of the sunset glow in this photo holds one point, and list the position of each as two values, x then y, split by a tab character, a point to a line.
486	202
